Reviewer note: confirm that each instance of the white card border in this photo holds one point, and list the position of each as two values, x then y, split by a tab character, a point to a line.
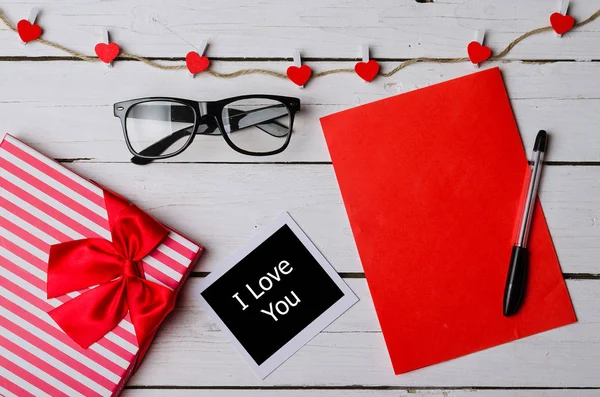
311	330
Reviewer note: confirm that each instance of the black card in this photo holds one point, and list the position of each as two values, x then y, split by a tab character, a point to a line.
275	294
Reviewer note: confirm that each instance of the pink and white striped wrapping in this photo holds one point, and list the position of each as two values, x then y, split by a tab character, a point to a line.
42	203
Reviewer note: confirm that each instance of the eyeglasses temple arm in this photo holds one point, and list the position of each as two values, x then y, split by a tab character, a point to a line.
263	118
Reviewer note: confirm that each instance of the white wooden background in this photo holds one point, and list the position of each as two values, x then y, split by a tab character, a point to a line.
63	107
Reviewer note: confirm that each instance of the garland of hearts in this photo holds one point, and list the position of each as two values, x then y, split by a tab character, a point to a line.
299	75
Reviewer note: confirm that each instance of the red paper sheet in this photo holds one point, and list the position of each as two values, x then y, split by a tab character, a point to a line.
432	181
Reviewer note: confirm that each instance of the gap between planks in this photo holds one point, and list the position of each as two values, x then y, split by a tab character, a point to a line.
89	160
355	387
567	276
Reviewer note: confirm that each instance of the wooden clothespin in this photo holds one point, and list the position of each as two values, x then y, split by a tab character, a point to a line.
203	47
479	37
364	49
297	58
298	62
106	39
33	14
564	7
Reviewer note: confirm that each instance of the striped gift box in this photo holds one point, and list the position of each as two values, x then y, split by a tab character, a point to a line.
42	203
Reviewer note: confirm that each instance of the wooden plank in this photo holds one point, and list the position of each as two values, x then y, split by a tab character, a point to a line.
190	351
45	104
359	393
322	28
223	205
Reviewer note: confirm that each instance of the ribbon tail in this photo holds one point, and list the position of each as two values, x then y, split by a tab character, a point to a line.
149	304
93	314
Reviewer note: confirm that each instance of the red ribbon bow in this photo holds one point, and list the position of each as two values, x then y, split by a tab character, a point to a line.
116	268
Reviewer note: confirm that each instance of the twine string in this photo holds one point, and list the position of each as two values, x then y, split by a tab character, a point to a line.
243	72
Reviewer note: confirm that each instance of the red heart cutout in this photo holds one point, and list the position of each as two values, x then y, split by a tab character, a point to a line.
27	31
299	75
561	23
107	52
477	52
196	63
367	70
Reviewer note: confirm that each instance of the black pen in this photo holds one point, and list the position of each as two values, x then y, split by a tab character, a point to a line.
516	280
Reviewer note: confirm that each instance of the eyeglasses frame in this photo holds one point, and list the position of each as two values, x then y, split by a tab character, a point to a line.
202	110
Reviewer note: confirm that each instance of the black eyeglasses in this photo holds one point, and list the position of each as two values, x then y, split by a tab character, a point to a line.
159	128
